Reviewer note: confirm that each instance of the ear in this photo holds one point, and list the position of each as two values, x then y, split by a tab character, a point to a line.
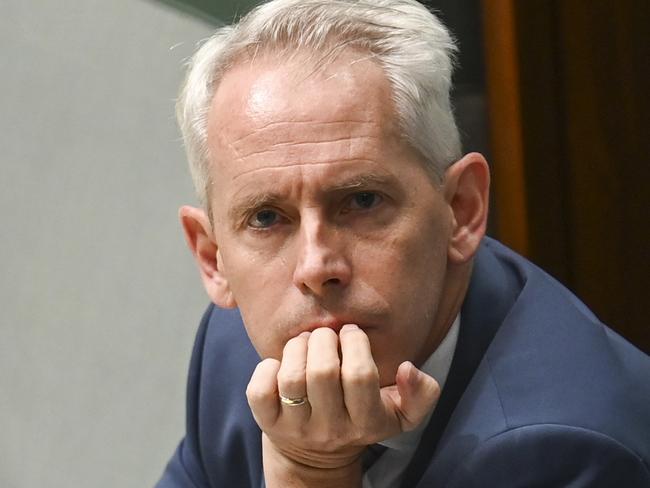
467	190
201	241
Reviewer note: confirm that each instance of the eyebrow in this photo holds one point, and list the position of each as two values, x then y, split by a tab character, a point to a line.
361	181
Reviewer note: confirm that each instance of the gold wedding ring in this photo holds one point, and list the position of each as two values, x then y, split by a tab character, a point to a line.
293	402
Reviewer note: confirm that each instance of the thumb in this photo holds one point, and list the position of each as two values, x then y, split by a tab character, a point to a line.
414	397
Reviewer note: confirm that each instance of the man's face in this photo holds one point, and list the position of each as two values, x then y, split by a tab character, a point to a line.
322	215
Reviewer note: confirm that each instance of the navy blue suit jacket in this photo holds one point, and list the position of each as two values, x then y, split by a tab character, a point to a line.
540	393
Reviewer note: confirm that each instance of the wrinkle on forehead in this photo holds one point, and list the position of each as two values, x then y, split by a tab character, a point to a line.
279	125
305	139
288	133
328	164
270	150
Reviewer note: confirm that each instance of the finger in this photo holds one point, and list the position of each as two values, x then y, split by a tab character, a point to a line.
324	375
360	378
262	393
292	377
413	397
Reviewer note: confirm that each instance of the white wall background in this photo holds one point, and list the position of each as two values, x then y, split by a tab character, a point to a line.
99	298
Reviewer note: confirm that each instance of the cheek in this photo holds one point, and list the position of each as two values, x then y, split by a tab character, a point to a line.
260	335
262	326
409	272
416	251
249	271
259	285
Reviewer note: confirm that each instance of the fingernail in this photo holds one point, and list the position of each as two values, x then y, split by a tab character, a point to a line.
349	327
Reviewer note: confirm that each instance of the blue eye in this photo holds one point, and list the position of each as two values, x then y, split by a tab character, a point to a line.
365	200
264	219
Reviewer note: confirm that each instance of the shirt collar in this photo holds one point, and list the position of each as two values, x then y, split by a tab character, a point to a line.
437	366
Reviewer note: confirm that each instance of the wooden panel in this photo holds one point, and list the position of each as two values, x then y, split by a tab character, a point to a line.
546	167
504	114
605	64
584	139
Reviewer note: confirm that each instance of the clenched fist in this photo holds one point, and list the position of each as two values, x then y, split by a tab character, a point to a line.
320	442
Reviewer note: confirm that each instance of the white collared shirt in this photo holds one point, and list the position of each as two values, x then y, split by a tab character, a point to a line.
388	470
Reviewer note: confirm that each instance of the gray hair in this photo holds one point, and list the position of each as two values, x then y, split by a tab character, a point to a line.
412	46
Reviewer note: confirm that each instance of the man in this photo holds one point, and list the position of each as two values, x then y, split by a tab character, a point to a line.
345	230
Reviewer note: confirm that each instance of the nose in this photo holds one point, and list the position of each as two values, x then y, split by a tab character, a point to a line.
321	265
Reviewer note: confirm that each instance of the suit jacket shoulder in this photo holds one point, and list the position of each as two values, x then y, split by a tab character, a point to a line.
558	399
222	444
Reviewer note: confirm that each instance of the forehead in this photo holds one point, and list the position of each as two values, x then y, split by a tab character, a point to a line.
262	105
268	84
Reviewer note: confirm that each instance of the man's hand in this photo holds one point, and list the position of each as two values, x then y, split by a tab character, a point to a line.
319	443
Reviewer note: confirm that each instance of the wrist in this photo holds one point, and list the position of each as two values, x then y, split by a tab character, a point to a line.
283	471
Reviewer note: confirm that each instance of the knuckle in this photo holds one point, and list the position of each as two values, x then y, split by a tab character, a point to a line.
261	385
328	439
360	374
255	394
324	372
268	364
292	380
435	390
358	435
